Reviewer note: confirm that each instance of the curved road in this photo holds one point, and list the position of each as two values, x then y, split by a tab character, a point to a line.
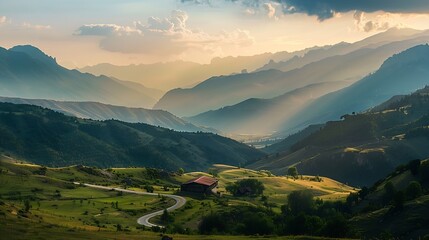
144	220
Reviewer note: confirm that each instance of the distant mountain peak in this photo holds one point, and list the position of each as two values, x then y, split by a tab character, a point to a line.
35	53
409	55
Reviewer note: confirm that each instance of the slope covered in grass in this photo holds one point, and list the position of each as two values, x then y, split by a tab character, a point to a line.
50	138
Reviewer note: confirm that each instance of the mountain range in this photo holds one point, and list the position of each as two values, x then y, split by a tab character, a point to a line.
218	92
100	111
317	54
27	72
186	74
264	116
361	148
50	138
401	74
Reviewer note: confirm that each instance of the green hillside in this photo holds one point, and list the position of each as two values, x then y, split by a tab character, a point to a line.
100	111
43	202
370	144
397	206
46	137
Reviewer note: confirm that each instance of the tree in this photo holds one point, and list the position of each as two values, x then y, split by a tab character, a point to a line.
149	188
353	198
424	171
213	223
118	227
363	193
300	202
292	171
166	217
257	224
389	192
27	205
181	171
414	190
336	226
250	187
414	166
304	224
398	200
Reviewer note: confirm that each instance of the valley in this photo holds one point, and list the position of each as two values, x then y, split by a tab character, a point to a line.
57	203
214	119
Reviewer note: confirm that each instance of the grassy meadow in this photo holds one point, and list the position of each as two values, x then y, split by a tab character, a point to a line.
56	206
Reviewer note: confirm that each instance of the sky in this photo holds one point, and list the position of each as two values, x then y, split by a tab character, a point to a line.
87	32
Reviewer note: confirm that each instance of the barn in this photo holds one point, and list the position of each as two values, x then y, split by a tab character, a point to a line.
201	184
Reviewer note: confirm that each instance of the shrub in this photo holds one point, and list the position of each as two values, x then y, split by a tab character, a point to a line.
300	202
249	187
292	171
414	190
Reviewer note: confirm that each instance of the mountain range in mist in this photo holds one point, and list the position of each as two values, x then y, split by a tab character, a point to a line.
180	74
264	116
218	92
339	81
361	148
27	72
401	74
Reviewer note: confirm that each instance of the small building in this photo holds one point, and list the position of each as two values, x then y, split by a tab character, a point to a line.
201	184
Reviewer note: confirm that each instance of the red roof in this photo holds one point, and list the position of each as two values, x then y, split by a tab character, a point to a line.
203	180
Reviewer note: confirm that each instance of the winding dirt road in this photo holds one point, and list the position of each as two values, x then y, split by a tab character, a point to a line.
144	220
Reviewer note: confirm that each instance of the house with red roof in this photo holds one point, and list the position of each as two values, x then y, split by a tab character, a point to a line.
201	184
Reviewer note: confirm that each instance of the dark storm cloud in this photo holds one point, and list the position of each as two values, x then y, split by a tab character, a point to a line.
325	9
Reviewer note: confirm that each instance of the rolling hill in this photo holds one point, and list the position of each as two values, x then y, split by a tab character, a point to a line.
46	137
370	144
27	72
100	111
264	116
58	206
218	92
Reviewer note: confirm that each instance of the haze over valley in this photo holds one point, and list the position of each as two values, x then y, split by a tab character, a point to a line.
213	119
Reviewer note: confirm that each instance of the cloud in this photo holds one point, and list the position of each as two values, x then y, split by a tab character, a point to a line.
381	23
4	20
35	26
197	1
325	9
163	36
249	12
104	30
270	9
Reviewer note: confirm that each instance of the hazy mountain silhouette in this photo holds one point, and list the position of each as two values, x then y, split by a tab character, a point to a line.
393	34
402	73
180	74
264	116
100	111
217	92
27	72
